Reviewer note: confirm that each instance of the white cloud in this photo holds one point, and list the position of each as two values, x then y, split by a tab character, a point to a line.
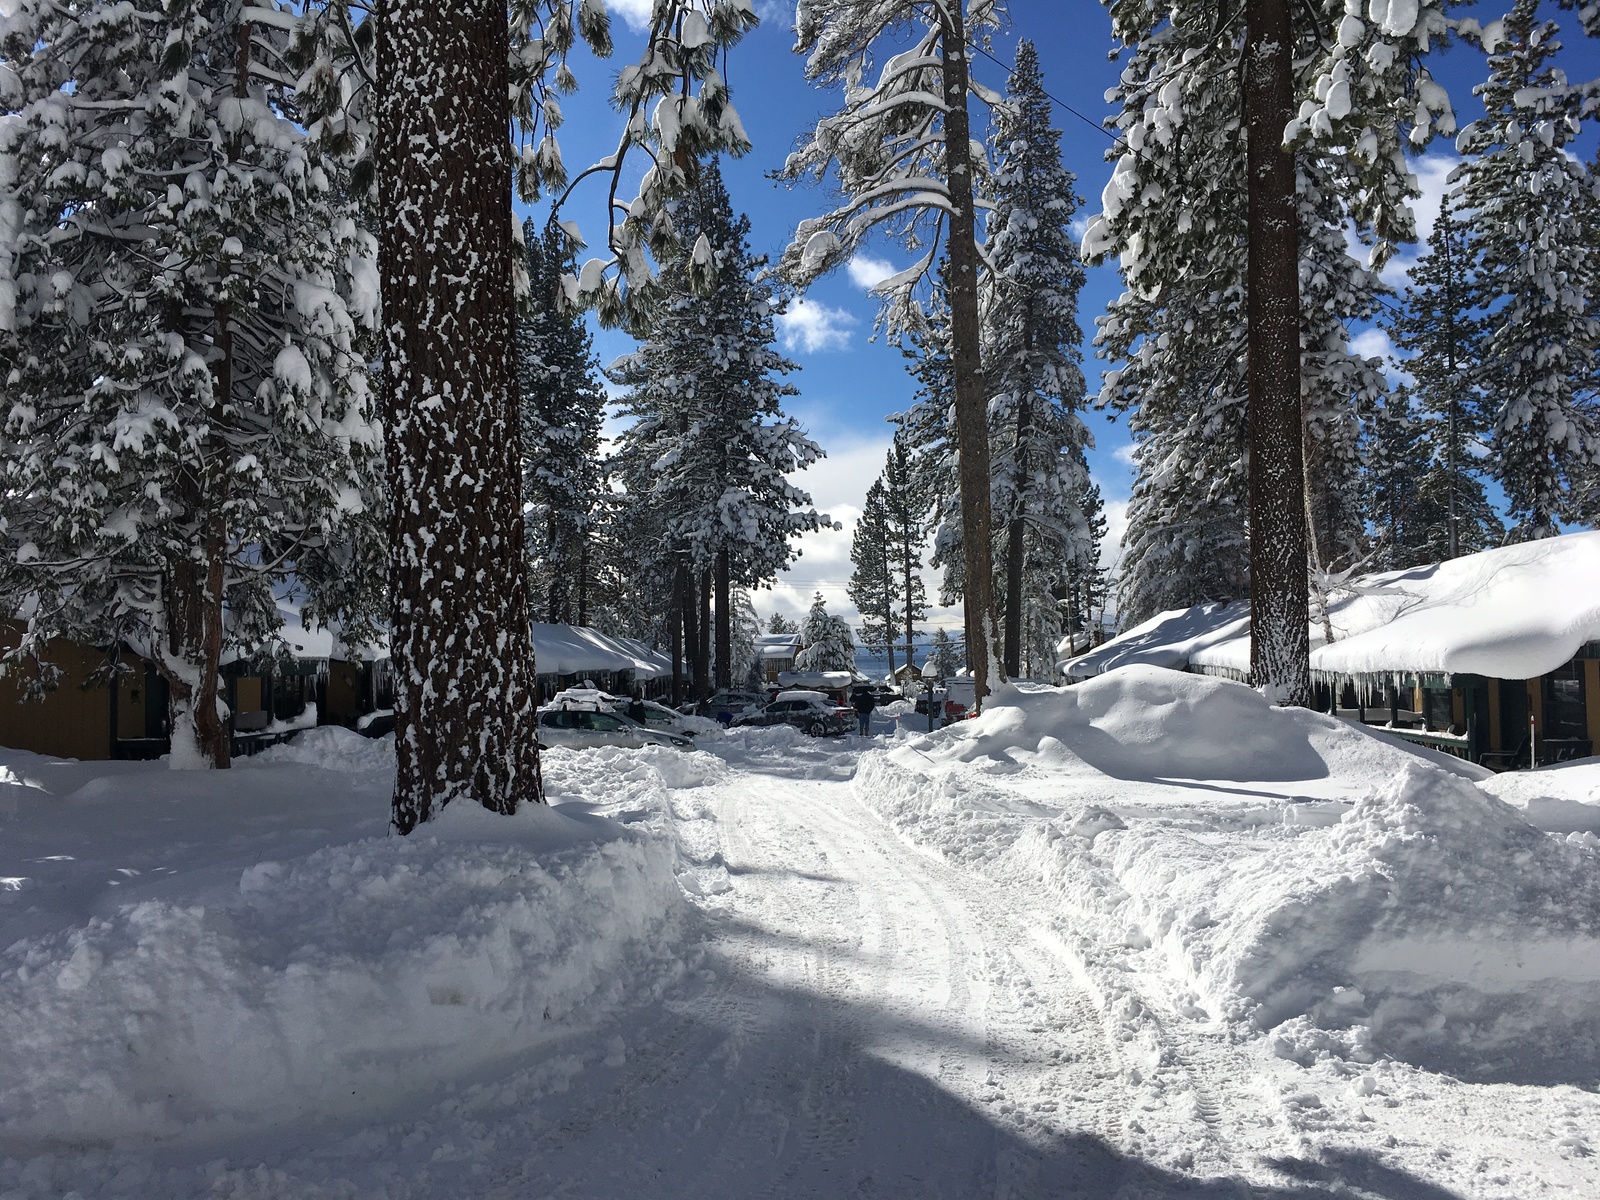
1116	514
867	272
1432	171
1372	343
635	12
812	326
1125	454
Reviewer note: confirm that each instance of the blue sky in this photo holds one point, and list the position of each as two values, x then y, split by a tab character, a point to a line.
849	382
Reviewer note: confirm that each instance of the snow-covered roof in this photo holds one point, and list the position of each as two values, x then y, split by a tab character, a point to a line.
816	679
777	645
579	650
1515	612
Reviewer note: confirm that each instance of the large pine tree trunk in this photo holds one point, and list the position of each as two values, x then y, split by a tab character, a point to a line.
189	658
691	630
459	632
702	674
1279	639
680	618
972	426
724	652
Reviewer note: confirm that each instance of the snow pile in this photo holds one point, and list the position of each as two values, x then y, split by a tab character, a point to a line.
1382	904
332	748
203	998
1431	923
1143	722
1560	799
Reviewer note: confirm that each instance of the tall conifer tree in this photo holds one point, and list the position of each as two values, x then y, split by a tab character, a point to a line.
1539	273
187	304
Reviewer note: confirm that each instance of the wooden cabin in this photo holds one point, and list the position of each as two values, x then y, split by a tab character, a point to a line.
85	717
1493	657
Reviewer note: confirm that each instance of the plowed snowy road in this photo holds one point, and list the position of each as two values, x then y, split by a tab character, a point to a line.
867	1022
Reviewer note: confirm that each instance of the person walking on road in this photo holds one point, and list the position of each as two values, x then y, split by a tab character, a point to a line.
864	703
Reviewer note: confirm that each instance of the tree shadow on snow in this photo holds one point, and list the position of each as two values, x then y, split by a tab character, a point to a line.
741	1086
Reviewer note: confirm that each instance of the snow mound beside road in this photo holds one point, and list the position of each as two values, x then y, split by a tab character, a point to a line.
1403	911
1431	923
337	979
1149	723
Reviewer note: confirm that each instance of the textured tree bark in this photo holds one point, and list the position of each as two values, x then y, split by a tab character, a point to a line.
460	637
972	426
702	674
724	655
1279	639
680	616
189	657
691	630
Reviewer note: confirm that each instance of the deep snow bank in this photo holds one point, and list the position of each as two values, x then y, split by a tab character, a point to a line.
1144	722
1561	799
1428	920
330	981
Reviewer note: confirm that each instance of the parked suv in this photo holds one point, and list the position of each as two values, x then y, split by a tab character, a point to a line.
582	728
811	711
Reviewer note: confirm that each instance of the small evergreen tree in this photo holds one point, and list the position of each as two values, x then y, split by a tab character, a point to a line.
942	659
906	505
1031	365
710	449
1438	326
826	639
781	624
872	584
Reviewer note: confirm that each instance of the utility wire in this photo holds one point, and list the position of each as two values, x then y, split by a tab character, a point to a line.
1118	140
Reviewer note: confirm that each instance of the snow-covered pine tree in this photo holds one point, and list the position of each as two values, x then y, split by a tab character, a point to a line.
906	505
186	308
1439	326
942	658
1413	496
1032	364
421	94
926	431
1175	211
901	151
710	444
872	585
826	641
1538	273
781	624
563	406
744	667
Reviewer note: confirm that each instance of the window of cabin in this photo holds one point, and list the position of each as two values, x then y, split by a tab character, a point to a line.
1436	711
1563	703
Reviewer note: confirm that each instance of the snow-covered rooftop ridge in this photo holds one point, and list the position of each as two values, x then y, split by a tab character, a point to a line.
577	650
777	645
1514	612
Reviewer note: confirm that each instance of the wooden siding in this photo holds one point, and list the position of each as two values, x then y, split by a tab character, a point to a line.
70	722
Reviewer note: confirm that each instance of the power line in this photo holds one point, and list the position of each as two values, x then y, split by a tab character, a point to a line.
1118	140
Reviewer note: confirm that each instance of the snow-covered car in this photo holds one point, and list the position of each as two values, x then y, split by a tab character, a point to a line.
656	716
811	711
583	728
735	703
